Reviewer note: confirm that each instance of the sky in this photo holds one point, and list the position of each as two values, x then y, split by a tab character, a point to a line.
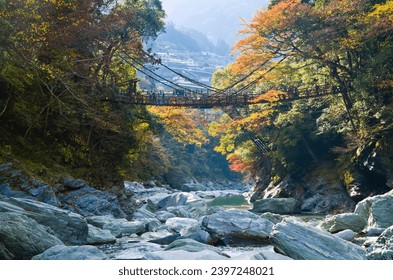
218	19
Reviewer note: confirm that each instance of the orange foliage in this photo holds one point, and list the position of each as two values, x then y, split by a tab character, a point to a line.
239	163
270	96
186	125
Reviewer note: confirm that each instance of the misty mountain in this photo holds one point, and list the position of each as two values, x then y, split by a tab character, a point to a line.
189	40
218	19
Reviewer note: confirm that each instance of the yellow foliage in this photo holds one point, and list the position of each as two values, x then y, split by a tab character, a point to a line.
185	125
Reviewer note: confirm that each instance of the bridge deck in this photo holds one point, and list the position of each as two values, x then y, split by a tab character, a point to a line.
197	99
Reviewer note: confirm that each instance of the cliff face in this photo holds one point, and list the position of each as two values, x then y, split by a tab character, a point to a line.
329	187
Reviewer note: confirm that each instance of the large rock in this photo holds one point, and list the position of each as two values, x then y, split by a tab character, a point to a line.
143	213
163	216
274	218
190	187
177	224
118	227
138	191
184	255
14	183
137	251
179	211
100	221
190	245
263	255
369	173
5	254
155	235
236	227
195	210
69	227
22	238
124	227
166	240
287	188
325	193
376	210
347	234
382	248
152	224
303	242
345	221
61	252
199	235
44	193
153	200
99	236
176	199
277	206
88	201
74	184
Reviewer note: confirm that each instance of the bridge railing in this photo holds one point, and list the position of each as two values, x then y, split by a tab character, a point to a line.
208	99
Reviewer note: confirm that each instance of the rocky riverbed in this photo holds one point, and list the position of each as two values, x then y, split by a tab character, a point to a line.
159	223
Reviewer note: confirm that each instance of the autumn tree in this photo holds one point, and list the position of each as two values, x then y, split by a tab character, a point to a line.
59	59
305	44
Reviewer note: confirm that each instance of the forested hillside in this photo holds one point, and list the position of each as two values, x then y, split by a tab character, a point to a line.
309	45
58	60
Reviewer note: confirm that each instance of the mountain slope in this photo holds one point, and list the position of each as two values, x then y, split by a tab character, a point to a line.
218	19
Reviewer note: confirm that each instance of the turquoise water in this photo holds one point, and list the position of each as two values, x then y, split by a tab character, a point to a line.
238	202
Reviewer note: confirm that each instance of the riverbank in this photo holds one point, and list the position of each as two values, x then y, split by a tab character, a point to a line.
150	222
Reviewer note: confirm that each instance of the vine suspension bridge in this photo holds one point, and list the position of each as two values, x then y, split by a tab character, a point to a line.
206	96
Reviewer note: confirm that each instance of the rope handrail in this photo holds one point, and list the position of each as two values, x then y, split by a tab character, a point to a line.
206	99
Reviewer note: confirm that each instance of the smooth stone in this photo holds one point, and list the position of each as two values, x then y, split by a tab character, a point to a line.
376	210
276	206
370	241
374	231
5	254
151	224
190	187
237	227
200	236
89	201
162	216
44	194
74	184
99	236
124	228
303	242
22	237
143	213
176	199
345	221
155	235
118	227
274	218
364	241
177	224
137	251
166	240
211	195
153	200
179	211
347	234
190	245
100	221
184	255
69	227
61	252
263	255
382	248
